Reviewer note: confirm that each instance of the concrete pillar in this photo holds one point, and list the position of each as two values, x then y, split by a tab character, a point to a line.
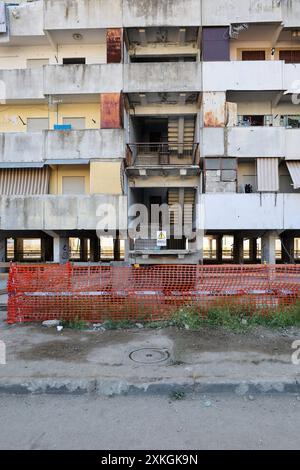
94	250
3	245
253	250
117	248
61	250
19	249
238	249
268	248
84	255
287	249
47	249
219	240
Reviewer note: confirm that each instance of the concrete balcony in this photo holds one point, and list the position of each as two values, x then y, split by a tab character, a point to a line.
56	145
82	79
25	20
251	211
243	76
62	212
162	77
220	13
252	142
138	13
82	14
21	84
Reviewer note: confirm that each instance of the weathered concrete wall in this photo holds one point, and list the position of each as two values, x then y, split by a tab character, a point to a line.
162	77
60	212
146	13
252	142
21	84
26	19
81	14
80	79
241	76
21	147
218	12
101	143
54	145
251	211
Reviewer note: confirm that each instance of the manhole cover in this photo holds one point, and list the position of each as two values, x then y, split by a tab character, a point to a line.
149	355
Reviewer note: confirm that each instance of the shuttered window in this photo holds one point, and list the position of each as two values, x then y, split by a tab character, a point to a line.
290	57
24	181
253	55
294	169
267	174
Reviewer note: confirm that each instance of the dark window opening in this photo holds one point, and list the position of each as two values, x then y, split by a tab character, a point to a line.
254	55
74	60
163	59
290	57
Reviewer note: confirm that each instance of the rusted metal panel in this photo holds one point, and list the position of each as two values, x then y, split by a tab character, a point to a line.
111	111
114	45
214	109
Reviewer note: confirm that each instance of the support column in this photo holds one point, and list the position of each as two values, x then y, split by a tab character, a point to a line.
238	249
287	249
61	250
219	240
19	249
47	249
253	250
117	248
3	249
84	250
94	250
268	248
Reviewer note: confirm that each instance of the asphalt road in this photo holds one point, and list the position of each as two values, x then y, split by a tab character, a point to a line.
202	422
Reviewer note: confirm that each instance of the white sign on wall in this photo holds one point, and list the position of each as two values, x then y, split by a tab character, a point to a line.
161	238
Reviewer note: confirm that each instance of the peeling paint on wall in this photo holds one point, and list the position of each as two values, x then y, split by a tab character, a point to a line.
114	45
111	110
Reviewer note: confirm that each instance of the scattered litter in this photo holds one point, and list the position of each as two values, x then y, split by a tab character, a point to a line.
244	321
60	328
207	403
51	323
139	325
251	397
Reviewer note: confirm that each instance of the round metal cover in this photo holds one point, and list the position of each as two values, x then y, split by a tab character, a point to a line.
149	355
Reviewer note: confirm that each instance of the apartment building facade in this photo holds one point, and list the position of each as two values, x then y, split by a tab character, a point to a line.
149	132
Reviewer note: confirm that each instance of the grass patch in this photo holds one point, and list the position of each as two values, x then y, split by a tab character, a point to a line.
236	317
76	324
177	396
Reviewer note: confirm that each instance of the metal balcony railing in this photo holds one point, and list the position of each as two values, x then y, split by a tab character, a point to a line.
162	154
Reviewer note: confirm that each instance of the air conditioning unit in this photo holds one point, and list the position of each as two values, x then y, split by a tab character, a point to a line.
236	29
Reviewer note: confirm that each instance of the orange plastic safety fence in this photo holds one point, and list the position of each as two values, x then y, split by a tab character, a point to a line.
99	293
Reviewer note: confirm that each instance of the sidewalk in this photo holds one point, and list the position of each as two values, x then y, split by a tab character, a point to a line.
42	360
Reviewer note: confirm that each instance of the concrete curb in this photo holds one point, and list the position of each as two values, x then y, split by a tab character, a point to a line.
110	388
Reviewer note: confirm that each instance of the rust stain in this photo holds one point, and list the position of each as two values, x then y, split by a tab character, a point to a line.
210	120
114	45
111	111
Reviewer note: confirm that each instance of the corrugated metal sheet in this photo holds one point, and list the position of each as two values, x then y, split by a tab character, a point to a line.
294	169
111	110
22	182
267	174
114	45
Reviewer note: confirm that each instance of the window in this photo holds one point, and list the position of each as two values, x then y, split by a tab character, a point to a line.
77	123
37	124
255	120
36	63
253	55
290	121
73	185
290	57
226	166
74	60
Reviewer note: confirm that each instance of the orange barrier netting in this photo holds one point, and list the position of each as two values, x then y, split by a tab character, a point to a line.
99	293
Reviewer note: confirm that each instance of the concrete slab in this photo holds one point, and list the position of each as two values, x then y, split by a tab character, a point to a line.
43	360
